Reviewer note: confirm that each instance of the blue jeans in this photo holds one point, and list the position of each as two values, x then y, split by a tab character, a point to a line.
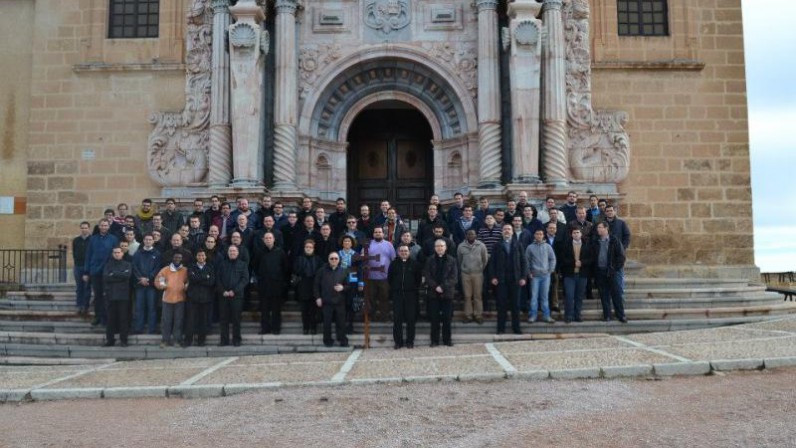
145	311
574	293
540	289
610	287
82	290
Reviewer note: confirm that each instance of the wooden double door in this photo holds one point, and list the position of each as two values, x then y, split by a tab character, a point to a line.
390	157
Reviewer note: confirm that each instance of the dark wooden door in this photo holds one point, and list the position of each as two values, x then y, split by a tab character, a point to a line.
390	157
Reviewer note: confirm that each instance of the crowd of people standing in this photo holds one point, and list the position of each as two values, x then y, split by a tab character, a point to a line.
177	273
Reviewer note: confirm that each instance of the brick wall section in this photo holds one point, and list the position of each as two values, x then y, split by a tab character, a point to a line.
105	112
688	197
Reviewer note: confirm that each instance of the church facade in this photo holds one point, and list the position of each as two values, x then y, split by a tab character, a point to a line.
639	102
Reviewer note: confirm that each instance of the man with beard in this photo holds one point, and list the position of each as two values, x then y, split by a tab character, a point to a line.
243	209
433	218
380	254
143	219
365	223
213	213
338	218
172	219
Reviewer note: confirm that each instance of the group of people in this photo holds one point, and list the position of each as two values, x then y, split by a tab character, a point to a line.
189	270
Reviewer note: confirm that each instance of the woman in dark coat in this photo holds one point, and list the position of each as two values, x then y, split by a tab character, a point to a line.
305	267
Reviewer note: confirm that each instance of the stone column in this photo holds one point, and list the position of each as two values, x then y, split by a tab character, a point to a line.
220	132
554	109
488	94
524	39
247	42
286	96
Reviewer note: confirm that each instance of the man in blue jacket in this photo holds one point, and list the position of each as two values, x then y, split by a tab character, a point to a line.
97	254
146	264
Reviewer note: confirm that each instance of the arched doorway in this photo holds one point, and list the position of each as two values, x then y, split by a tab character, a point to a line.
390	156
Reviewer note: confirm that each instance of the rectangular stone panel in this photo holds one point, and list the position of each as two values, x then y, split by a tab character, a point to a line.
391	368
585	359
271	373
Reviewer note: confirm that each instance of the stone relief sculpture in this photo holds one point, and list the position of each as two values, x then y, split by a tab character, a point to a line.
179	143
461	57
387	15
598	146
312	60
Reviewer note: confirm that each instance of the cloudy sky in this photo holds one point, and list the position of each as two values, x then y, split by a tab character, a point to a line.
770	40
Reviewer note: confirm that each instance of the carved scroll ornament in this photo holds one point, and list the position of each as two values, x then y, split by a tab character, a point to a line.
179	143
461	58
312	60
598	146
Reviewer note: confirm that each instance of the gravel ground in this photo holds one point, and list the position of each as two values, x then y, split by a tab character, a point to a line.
738	409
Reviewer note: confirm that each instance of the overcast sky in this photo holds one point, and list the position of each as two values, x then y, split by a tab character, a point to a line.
770	39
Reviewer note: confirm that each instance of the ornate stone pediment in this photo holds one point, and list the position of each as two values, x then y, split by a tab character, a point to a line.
387	15
598	146
179	144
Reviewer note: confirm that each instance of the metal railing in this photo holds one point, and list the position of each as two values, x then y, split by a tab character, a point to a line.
33	266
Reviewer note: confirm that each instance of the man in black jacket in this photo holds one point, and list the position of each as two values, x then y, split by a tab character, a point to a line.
272	276
404	278
609	261
201	292
574	262
82	287
116	275
232	277
441	275
507	270
331	283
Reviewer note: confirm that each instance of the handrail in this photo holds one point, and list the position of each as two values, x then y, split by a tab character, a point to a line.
33	266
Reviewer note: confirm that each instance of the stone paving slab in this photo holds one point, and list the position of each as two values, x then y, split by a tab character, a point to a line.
424	352
23	380
271	373
585	359
709	335
424	366
292	358
788	324
167	363
128	377
560	345
753	349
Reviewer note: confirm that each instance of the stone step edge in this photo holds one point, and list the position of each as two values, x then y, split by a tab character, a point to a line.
220	390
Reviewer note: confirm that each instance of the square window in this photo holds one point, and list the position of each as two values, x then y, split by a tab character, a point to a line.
133	18
642	18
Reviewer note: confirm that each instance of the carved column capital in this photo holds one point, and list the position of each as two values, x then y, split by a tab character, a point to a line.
555	5
220	6
486	5
286	7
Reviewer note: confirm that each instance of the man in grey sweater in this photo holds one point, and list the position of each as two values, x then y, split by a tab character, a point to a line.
541	263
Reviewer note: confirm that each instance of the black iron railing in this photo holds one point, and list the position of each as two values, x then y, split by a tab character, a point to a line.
33	266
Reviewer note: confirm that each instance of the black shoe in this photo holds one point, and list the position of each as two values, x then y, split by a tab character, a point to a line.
517	331
236	344
109	344
306	331
275	332
555	308
397	346
606	319
223	344
344	344
410	345
329	344
200	344
500	332
434	344
123	344
449	344
623	319
95	322
578	319
567	321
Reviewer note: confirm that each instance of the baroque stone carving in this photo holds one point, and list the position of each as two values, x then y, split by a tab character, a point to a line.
312	60
598	146
242	35
179	143
526	33
387	15
461	58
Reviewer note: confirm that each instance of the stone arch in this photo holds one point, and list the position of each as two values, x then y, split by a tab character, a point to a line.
362	104
408	74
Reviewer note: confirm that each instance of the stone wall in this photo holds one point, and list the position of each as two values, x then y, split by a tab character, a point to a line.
16	31
688	196
90	99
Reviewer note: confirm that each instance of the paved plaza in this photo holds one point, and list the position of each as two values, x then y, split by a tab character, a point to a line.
764	345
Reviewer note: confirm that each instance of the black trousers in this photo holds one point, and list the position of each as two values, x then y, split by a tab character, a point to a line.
230	310
507	301
270	308
404	311
196	321
336	312
98	287
440	311
118	320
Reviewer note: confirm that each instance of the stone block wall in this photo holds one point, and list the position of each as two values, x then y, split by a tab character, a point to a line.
688	197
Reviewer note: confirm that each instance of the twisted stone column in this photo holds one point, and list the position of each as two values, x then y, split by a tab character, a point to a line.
286	96
220	131
554	111
488	94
